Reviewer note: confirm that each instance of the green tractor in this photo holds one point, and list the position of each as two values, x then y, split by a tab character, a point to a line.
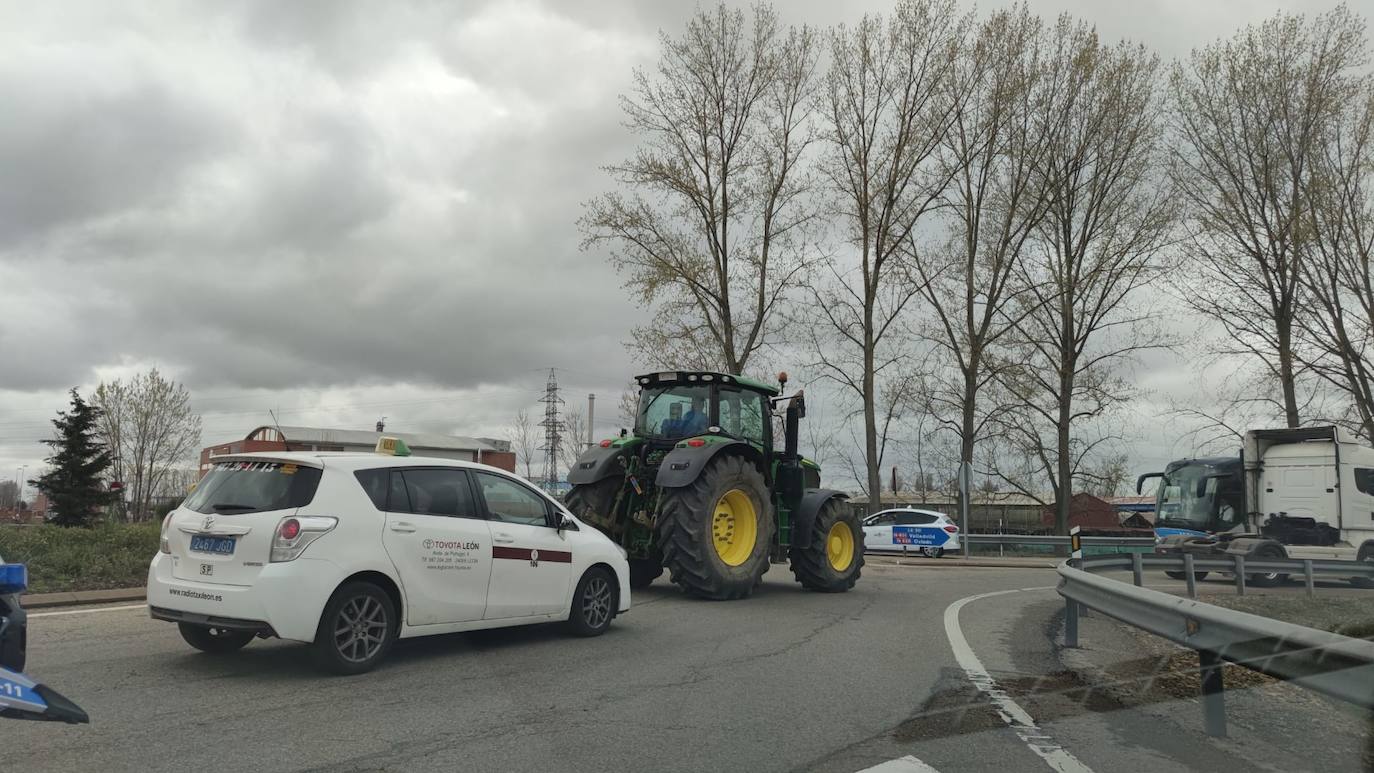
699	489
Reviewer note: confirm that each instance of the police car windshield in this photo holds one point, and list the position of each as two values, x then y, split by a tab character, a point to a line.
253	487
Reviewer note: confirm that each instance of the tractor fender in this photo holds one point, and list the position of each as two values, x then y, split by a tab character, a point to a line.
805	516
683	464
597	464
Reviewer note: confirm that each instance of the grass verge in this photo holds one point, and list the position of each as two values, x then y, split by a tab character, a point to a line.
112	555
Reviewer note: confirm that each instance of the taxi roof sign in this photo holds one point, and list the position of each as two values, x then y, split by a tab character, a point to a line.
393	446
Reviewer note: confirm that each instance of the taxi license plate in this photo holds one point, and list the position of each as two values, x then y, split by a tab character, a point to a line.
223	546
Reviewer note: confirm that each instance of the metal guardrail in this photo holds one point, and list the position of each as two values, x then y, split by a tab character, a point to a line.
1054	539
1335	665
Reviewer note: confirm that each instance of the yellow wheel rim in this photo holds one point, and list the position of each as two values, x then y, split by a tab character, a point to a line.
839	546
734	527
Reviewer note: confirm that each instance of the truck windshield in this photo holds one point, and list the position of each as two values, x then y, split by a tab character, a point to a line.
673	412
1178	504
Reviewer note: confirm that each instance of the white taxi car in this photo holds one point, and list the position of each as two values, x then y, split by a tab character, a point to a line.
911	530
351	551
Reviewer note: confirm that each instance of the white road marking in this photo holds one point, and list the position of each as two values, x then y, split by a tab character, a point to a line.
907	764
1016	717
32	615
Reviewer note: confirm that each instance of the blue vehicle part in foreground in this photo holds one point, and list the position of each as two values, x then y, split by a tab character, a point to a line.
1169	532
20	696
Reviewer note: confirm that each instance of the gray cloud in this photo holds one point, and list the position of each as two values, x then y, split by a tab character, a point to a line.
372	199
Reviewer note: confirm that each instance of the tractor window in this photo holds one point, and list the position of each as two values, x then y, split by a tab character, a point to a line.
742	414
673	412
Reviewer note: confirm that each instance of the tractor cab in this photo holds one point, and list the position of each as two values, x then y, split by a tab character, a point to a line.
677	405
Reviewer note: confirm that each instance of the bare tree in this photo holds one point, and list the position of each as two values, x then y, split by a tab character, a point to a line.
523	442
995	153
715	234
574	437
1079	318
1253	114
890	98
1337	330
9	494
150	429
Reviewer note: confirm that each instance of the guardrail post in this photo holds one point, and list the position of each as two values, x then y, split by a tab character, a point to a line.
1213	693
1307	577
1190	576
1070	623
1240	574
1137	570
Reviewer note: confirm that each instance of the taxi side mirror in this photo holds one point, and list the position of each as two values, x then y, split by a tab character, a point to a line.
565	523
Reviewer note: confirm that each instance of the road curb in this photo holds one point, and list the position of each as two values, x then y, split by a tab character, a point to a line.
957	563
76	598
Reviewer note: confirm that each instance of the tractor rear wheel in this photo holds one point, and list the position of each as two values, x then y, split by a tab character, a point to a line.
831	564
593	502
715	532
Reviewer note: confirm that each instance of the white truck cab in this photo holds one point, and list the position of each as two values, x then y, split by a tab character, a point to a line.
1306	492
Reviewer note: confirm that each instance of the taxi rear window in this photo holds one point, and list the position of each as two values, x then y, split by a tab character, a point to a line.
235	488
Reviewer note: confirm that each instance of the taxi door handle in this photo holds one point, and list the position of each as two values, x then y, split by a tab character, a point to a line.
503	539
403	527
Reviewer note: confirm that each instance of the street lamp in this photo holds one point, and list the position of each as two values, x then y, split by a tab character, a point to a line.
20	476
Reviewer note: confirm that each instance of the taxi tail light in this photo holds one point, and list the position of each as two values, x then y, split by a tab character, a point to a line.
295	534
952	529
162	545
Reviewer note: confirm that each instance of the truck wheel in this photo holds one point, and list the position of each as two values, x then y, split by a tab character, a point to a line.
643	571
217	641
836	555
356	630
1267	579
716	531
1199	576
1366	554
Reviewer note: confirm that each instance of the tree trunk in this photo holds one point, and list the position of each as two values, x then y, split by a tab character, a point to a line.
966	430
1290	396
1064	495
875	473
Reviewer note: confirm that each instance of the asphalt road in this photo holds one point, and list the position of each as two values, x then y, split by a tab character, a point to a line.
784	681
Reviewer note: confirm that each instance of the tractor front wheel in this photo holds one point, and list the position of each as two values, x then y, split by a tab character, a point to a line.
715	532
643	571
832	562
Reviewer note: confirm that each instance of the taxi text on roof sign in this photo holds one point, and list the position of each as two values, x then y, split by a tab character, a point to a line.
393	446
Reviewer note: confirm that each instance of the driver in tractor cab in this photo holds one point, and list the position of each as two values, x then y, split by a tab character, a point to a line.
694	423
673	423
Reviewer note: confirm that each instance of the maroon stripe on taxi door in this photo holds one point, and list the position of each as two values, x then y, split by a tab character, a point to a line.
527	554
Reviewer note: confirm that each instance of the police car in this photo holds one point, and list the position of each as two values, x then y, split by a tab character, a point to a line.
908	530
351	551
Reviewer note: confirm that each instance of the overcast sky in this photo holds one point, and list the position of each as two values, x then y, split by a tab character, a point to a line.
343	210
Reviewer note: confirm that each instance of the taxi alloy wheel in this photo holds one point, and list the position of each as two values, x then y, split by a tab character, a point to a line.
357	628
360	630
594	603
